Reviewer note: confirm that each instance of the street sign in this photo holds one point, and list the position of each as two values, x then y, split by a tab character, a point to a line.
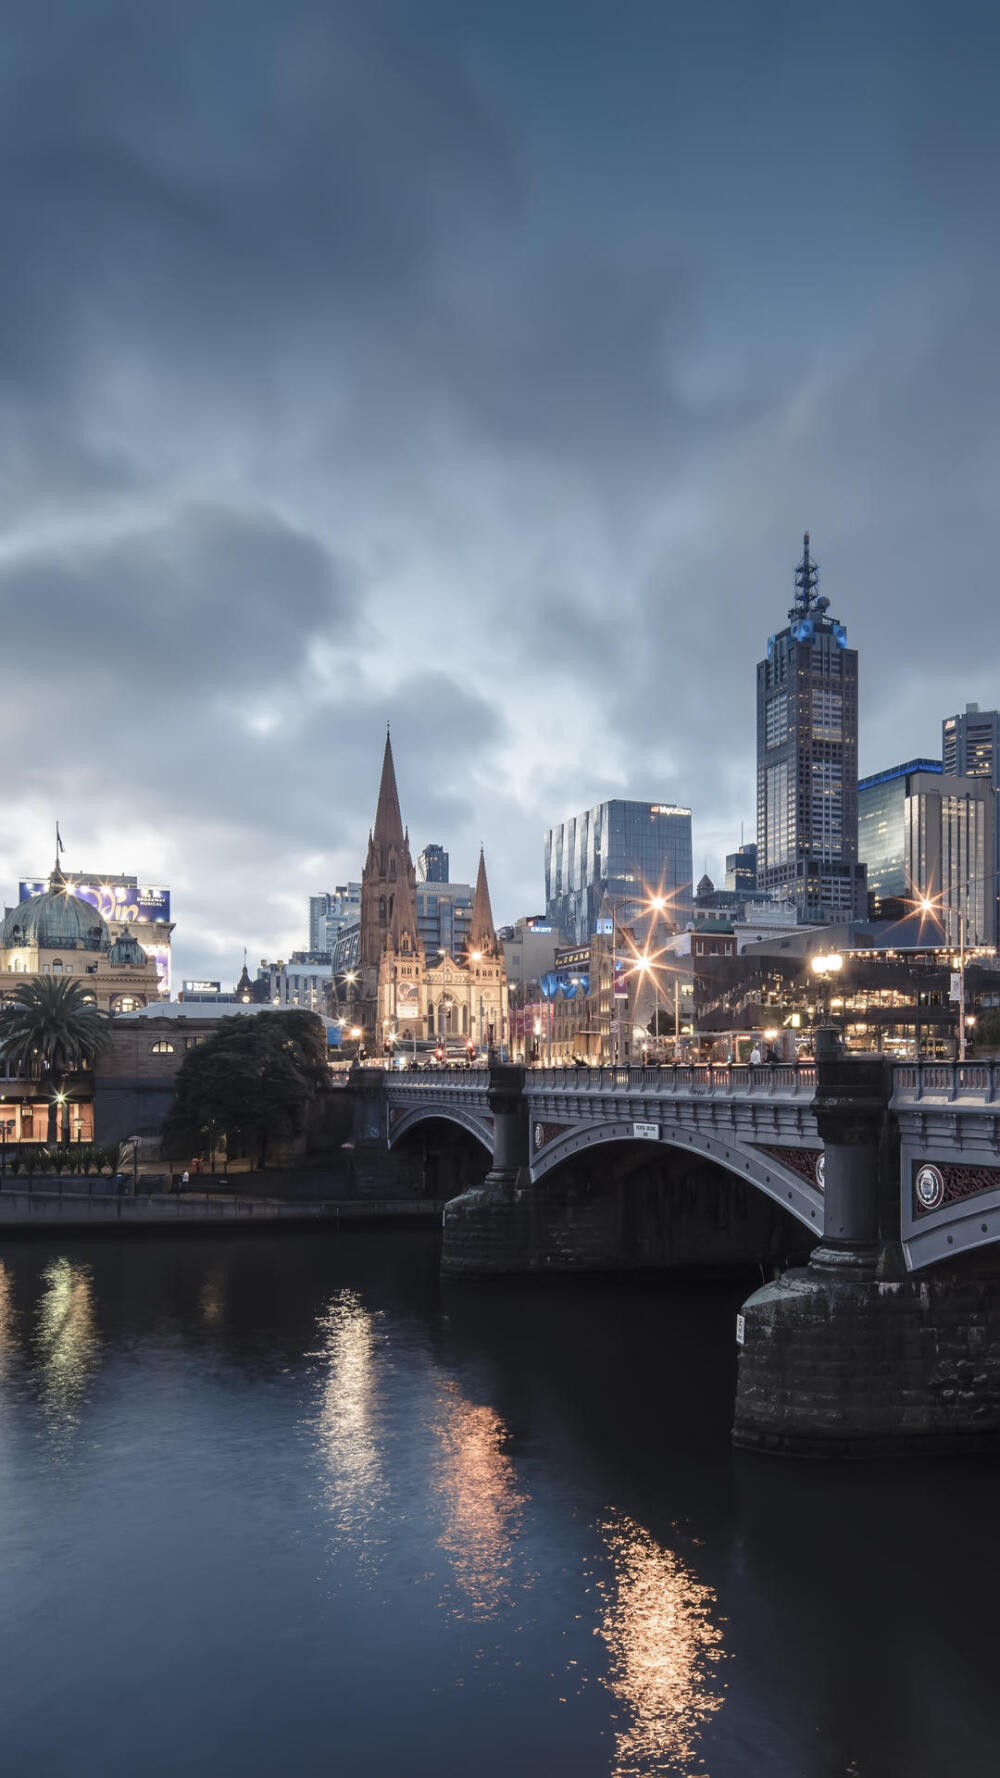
740	1330
649	1132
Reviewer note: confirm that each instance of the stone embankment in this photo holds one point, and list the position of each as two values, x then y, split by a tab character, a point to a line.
67	1209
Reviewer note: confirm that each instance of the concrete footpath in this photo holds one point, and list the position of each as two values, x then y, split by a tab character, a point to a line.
39	1208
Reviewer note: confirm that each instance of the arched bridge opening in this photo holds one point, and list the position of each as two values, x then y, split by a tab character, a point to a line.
640	1205
449	1153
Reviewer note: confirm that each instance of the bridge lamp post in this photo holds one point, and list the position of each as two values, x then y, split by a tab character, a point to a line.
929	907
643	904
644	968
825	967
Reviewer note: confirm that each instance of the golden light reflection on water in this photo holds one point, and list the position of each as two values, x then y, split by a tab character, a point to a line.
8	1350
348	1420
212	1297
66	1341
476	1481
664	1652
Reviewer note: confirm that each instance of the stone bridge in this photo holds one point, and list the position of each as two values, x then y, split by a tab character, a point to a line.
759	1123
889	1338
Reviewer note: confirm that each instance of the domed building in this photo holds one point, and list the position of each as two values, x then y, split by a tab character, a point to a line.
57	933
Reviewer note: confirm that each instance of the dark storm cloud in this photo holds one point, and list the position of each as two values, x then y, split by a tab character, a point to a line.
205	599
477	368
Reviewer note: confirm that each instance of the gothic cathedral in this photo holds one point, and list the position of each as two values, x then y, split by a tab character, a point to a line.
406	997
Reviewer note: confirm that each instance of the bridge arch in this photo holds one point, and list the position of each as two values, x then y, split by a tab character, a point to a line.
476	1123
786	1187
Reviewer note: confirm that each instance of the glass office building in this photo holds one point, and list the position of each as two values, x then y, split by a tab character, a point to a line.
622	852
971	748
924	833
882	829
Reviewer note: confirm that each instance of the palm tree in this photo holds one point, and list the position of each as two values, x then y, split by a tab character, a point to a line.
53	1021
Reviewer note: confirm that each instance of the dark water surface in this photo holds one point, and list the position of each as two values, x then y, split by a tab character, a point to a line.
289	1505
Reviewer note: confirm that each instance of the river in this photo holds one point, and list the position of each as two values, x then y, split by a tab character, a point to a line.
286	1504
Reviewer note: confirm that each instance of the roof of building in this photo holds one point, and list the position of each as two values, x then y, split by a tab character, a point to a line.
55	921
127	950
208	1011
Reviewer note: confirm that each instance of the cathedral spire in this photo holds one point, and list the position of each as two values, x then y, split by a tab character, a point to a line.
404	916
388	829
482	932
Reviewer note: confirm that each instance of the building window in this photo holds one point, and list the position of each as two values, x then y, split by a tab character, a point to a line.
57	966
163	1048
776	720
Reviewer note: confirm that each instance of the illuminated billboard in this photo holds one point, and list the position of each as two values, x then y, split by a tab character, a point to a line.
161	957
124	902
407	1001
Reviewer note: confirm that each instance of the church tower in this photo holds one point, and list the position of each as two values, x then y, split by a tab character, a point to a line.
484	961
388	917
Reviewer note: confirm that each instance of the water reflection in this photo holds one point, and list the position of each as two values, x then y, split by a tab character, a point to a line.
7	1318
212	1295
476	1481
663	1649
348	1421
65	1340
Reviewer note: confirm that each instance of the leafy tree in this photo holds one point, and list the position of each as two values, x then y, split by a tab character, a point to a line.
250	1081
52	1021
987	1031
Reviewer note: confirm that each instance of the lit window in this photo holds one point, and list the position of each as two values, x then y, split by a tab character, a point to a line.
163	1048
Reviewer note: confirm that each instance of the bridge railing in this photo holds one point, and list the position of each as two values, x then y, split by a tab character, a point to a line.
731	1080
972	1082
785	1079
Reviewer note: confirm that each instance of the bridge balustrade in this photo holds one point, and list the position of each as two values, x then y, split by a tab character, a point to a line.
978	1082
768	1079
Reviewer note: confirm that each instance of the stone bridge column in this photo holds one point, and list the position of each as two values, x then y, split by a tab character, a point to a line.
489	1229
850	1356
852	1096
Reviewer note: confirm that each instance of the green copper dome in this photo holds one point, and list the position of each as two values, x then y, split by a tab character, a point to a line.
55	921
127	950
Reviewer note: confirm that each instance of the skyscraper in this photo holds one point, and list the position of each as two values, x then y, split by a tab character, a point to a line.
622	851
927	833
970	746
807	760
433	865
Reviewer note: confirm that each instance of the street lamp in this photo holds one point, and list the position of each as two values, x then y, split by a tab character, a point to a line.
655	904
827	965
929	907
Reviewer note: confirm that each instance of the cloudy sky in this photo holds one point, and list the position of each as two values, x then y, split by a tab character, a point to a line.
476	367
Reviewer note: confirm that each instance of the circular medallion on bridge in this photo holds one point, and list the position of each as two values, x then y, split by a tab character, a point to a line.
929	1187
539	1135
821	1170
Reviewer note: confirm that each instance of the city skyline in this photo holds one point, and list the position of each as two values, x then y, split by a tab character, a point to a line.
483	378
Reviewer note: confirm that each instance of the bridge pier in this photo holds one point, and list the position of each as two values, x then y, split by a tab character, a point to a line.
850	1355
488	1229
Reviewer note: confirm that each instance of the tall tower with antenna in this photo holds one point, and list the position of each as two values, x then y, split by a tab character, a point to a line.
807	760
